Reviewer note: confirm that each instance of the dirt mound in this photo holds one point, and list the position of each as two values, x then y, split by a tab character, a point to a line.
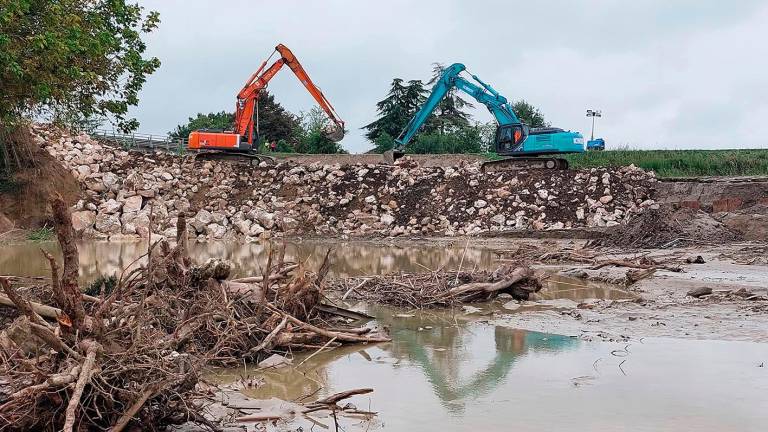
751	223
665	227
25	194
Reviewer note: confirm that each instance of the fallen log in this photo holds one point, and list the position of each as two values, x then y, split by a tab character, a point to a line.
40	309
474	288
341	336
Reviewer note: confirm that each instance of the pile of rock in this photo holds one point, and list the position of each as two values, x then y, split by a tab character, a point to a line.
124	190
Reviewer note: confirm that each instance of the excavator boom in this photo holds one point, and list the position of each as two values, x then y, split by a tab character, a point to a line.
337	132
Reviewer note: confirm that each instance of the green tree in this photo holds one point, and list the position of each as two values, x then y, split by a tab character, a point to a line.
529	114
449	115
395	111
68	61
275	122
392	112
465	140
215	121
312	138
73	56
383	143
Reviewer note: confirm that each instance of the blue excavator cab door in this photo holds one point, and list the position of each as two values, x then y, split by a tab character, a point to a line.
510	138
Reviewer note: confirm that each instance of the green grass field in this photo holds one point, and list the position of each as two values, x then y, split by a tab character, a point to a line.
680	163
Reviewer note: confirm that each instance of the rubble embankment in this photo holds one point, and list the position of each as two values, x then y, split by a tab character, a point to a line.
227	200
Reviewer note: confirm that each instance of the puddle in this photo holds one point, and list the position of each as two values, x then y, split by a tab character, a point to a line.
445	372
349	258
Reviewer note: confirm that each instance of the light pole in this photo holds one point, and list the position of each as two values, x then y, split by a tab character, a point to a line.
593	114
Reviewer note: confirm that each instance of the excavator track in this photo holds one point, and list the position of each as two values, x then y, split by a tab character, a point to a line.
236	157
524	163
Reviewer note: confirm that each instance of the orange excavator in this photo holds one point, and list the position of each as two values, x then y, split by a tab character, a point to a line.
242	143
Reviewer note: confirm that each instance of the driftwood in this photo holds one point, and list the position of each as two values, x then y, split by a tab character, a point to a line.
485	288
44	311
327	403
161	324
441	288
625	263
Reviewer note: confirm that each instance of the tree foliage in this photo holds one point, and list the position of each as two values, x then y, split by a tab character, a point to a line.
215	121
312	138
392	113
275	122
449	115
396	110
464	140
529	114
73	58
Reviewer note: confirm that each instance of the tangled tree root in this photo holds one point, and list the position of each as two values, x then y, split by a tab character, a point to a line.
132	358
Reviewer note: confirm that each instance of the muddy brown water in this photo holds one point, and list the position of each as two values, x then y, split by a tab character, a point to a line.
348	258
450	371
447	371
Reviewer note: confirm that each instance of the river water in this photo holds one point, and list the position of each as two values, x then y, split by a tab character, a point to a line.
446	371
348	258
450	371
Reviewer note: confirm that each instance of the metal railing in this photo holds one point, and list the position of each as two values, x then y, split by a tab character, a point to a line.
142	142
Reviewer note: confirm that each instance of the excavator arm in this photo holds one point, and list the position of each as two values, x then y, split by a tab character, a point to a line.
249	95
481	92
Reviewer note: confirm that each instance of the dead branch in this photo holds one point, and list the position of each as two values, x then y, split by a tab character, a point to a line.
336	397
469	289
342	336
123	421
55	285
268	340
625	263
24	306
85	377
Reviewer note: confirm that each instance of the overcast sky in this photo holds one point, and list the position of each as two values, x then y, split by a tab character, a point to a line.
666	74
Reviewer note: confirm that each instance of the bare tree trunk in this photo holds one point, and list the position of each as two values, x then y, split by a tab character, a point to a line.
70	290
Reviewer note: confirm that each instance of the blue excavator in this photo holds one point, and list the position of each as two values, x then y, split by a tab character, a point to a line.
521	146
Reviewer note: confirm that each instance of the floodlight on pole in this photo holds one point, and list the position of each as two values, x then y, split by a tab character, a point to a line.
593	114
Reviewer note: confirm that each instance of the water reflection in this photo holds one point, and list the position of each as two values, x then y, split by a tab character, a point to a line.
445	372
349	258
461	360
456	358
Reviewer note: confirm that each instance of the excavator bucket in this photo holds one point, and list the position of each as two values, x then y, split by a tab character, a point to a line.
334	133
390	156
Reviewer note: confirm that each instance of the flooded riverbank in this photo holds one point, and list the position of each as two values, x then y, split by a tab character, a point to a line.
445	371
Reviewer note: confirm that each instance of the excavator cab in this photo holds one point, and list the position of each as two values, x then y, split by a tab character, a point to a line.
510	138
